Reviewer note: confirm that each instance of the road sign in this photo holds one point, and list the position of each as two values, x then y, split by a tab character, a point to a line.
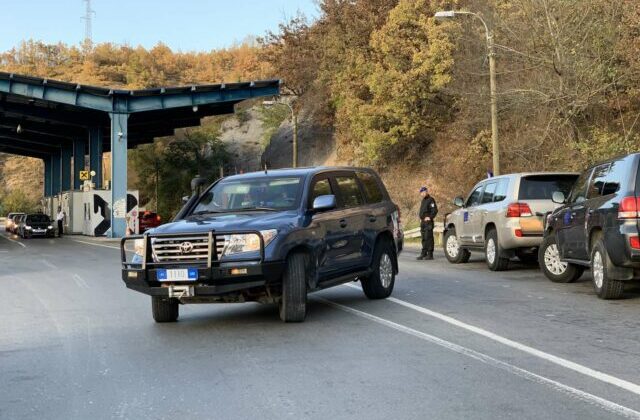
84	176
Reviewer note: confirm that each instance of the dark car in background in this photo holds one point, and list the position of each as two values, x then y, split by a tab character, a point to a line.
37	224
149	220
597	227
270	237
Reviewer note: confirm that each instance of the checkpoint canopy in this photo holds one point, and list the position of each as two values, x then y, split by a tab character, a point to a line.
61	122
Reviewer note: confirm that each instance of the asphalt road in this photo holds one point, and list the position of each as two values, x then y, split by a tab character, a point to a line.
455	342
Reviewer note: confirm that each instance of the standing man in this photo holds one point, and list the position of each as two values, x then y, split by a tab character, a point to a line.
428	212
60	219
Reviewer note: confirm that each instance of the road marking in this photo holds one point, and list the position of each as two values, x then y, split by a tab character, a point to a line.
94	244
80	282
49	264
595	374
523	373
14	241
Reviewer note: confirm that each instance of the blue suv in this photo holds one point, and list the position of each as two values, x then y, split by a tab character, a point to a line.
271	237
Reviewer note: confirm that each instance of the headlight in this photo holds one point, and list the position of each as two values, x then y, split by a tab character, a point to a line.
248	242
138	247
49	227
28	227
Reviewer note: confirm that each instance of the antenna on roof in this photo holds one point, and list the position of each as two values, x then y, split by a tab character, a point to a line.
88	21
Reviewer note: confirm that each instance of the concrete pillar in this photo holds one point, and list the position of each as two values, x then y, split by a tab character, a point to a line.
48	173
79	150
67	153
95	154
119	127
56	173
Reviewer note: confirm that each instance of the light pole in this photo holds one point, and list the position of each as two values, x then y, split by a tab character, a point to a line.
450	14
294	121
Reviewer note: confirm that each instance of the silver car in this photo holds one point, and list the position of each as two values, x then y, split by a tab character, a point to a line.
503	217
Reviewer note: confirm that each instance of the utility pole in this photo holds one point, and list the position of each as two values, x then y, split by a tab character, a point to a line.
88	23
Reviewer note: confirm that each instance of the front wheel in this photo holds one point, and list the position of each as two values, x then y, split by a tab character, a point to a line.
452	250
164	309
379	284
293	302
492	250
553	268
606	288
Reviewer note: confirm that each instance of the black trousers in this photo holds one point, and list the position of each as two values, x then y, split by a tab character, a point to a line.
426	230
59	227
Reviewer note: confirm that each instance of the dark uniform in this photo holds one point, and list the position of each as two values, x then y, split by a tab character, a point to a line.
428	208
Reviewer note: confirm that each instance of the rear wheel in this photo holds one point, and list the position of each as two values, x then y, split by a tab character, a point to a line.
452	250
164	309
493	252
293	303
551	265
606	288
379	284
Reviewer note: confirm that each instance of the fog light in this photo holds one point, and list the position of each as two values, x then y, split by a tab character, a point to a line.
238	271
634	241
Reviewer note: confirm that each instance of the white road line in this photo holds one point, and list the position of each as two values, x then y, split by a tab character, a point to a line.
14	241
49	264
558	386
80	282
94	244
595	374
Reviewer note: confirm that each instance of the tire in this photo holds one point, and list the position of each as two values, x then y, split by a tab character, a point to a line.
293	302
550	264
164	309
452	250
379	284
493	251
605	287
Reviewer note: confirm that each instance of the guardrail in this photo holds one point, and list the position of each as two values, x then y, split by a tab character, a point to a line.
438	230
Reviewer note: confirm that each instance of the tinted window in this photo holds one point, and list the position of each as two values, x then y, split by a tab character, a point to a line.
38	218
349	191
580	187
474	197
501	192
489	192
619	172
321	187
372	189
597	180
541	187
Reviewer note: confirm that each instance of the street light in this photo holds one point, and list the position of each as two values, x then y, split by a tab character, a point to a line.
294	120
450	14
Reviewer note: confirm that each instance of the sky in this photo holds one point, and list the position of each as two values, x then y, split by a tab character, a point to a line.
183	25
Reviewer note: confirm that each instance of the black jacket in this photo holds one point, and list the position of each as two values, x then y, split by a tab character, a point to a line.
428	208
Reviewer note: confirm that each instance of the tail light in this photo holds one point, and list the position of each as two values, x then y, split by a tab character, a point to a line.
634	242
629	208
519	210
158	219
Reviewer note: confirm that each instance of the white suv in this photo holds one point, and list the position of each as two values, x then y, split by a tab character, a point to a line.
503	217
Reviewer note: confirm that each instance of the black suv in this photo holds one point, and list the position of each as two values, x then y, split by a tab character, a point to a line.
270	237
597	227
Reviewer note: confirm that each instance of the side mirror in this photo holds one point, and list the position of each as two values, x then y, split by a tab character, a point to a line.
557	197
185	199
458	201
196	185
324	202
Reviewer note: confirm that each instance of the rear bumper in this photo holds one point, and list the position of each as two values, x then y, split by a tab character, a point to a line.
509	240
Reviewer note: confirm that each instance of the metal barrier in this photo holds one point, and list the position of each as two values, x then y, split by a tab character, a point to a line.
438	230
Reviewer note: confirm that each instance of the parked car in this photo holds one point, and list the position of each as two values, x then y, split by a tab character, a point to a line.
503	217
37	224
149	220
598	227
270	237
10	223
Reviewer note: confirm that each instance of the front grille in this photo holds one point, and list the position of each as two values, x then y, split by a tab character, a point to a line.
182	249
169	249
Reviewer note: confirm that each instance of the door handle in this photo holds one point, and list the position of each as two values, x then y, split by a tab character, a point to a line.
372	218
343	223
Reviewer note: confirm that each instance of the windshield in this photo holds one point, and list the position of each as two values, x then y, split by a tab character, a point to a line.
249	194
38	218
542	187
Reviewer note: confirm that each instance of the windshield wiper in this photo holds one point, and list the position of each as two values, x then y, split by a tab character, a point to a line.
255	208
200	213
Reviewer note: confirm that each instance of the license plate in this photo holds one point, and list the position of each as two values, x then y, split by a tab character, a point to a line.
39	230
177	274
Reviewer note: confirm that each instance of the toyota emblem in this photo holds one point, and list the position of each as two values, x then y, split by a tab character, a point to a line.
186	247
